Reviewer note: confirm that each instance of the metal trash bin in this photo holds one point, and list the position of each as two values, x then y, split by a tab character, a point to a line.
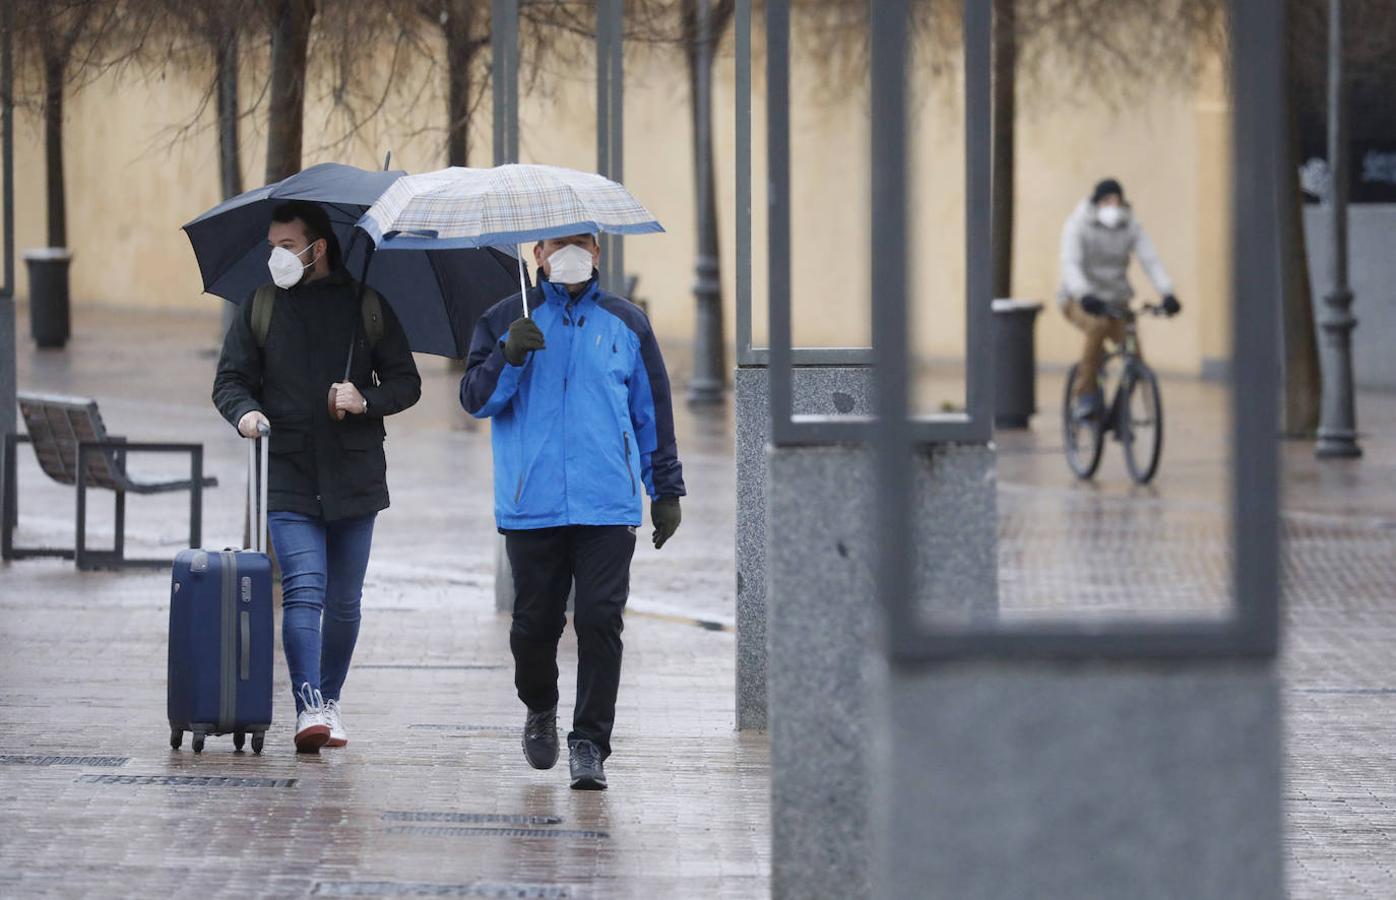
49	318
1015	362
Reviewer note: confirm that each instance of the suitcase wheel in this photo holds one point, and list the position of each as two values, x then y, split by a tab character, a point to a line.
258	739
239	739
176	738
198	742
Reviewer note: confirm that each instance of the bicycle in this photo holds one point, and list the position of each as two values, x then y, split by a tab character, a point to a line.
1134	414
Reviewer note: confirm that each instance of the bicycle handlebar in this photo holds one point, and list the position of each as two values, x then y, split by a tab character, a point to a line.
1125	312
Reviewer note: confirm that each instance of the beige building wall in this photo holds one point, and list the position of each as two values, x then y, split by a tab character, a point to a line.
129	192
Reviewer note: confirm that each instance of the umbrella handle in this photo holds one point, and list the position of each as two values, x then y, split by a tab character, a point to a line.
523	284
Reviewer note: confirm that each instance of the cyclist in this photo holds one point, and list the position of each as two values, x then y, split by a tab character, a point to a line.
1097	240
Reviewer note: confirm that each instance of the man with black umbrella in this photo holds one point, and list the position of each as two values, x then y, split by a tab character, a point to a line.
284	365
582	425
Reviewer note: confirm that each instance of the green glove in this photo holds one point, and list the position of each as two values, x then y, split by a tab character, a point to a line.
666	516
524	336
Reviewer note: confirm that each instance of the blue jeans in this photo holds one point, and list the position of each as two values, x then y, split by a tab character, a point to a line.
322	576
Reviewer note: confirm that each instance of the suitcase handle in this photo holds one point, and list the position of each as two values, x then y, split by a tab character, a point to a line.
257	487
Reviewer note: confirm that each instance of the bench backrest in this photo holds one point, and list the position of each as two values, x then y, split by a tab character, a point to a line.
56	426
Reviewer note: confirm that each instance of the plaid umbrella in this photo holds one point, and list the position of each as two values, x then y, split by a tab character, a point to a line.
511	204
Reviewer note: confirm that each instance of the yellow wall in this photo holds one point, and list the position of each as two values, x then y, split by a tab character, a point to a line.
128	194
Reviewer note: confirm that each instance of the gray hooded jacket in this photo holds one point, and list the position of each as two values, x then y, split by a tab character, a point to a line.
1095	259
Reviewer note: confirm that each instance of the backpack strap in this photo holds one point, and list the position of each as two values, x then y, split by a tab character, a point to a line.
263	302
371	309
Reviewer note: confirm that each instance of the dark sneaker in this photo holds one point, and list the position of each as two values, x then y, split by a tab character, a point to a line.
1088	406
587	773
540	738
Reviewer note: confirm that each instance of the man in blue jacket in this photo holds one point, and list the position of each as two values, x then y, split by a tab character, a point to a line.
583	423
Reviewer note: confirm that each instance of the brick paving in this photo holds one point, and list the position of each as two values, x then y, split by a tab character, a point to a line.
1170	544
432	797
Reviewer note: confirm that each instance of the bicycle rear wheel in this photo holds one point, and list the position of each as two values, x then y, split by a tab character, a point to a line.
1141	428
1084	438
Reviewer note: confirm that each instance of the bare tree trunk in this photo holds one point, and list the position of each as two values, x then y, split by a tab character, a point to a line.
704	28
229	147
290	43
1004	114
460	56
53	150
1303	381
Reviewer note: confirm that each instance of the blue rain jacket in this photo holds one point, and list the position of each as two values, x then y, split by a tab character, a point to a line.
584	427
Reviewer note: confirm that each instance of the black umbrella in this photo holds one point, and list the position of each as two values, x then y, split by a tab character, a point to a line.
437	294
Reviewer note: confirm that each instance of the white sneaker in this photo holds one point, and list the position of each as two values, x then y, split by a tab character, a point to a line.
338	736
312	727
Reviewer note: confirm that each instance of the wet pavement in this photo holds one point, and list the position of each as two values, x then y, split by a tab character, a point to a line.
432	796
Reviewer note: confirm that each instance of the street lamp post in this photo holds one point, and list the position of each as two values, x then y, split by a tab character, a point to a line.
7	205
1337	430
708	379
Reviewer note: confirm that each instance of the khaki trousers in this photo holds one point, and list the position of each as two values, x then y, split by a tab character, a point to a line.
1097	330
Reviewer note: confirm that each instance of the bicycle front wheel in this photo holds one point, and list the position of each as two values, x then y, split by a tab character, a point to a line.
1084	438
1141	428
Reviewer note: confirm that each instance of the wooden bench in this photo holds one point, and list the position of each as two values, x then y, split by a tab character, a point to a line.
72	447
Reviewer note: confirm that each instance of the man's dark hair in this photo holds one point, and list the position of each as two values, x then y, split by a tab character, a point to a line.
314	220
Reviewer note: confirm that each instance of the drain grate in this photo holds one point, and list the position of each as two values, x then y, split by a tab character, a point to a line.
10	759
218	781
503	729
470	818
455	831
409	667
427	889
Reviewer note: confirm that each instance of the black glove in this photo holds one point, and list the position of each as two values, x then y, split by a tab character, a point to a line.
524	336
1092	305
1171	306
666	516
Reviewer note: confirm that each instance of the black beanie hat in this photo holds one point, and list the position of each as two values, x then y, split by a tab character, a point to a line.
1106	188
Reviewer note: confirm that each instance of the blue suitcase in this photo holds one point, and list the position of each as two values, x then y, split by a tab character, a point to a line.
222	636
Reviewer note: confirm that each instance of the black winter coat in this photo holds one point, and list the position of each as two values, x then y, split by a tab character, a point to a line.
319	466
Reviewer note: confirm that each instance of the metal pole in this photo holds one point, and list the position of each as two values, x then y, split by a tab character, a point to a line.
610	125
743	141
1337	429
504	74
1259	159
778	270
8	346
980	371
889	25
617	107
708	376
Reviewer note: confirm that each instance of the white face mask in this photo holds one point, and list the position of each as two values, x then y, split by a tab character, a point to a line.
286	267
570	265
1112	216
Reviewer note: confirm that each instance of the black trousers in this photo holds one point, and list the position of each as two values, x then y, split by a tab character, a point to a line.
545	562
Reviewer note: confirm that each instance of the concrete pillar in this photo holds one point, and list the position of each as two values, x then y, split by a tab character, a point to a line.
822	639
824	391
1083	780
